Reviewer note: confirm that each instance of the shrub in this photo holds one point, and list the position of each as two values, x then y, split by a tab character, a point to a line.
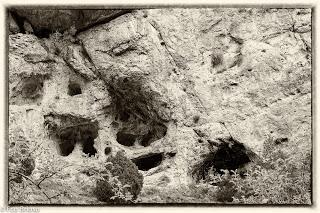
20	160
106	191
283	178
226	191
230	154
122	183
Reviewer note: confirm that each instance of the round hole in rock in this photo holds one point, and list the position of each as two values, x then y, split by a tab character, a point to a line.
126	139
74	89
148	161
107	150
196	118
200	140
31	87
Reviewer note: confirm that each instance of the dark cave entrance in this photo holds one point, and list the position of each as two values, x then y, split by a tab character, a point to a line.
42	32
88	144
230	155
126	139
134	110
149	161
157	132
129	135
84	135
74	89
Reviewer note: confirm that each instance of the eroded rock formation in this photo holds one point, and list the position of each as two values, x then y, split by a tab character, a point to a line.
161	85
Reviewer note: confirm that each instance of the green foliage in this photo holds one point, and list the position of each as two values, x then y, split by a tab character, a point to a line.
122	182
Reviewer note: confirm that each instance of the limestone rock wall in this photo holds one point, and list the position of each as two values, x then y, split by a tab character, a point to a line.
159	84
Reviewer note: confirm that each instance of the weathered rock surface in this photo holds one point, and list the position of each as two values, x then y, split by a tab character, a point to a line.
164	85
46	21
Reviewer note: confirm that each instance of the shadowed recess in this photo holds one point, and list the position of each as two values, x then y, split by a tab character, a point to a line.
74	89
28	91
230	155
84	135
149	161
68	130
126	139
156	132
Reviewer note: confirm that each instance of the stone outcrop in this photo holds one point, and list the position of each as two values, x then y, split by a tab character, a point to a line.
45	21
166	86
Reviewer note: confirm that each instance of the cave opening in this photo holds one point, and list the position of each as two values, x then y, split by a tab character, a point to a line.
126	139
67	142
28	91
88	145
149	161
83	135
132	102
157	132
132	133
32	87
107	150
42	32
146	139
74	89
229	155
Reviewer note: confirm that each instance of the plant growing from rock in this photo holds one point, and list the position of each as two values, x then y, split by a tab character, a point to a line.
281	179
30	179
121	181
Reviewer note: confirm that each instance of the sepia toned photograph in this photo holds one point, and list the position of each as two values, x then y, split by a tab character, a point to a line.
166	105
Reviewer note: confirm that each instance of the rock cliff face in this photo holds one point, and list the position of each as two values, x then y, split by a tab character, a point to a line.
166	86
